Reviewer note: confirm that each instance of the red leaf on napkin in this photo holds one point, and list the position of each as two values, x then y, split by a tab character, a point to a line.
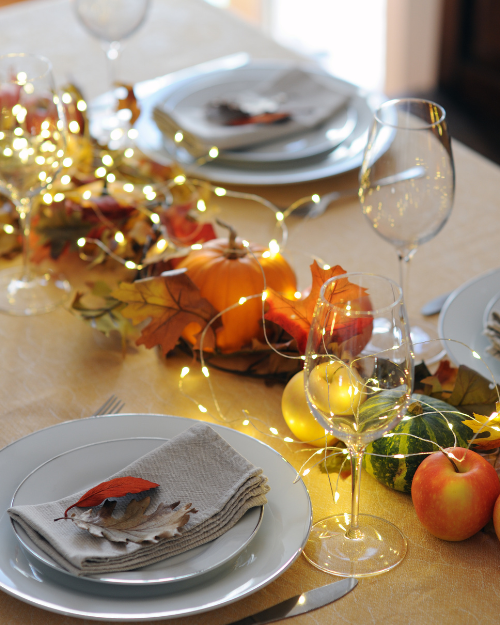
118	487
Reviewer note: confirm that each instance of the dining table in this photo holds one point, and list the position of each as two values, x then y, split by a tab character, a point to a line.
56	369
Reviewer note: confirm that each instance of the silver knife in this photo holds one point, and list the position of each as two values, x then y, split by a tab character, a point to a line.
307	601
435	305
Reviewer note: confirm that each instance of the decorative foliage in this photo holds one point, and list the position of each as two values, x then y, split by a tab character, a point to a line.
171	301
106	317
60	230
487	430
118	487
295	316
134	525
461	387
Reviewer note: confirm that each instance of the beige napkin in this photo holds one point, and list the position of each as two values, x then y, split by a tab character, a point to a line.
307	98
492	331
197	466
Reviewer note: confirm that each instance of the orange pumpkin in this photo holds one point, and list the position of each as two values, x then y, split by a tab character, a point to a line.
225	271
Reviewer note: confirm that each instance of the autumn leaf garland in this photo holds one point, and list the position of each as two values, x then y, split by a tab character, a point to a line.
172	301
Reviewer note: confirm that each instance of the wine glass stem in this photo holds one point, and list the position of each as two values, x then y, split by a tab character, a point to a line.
24	211
356	455
404	257
112	51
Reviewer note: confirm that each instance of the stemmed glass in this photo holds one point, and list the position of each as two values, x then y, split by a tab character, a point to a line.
358	382
32	146
111	21
409	135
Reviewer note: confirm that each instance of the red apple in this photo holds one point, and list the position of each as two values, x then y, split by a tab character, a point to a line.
496	517
455	503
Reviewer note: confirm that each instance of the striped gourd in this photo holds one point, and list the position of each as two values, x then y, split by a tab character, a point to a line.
427	418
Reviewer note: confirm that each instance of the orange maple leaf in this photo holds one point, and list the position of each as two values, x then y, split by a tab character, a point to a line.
295	316
171	302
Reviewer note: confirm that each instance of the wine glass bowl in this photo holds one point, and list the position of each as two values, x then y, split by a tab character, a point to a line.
405	134
32	148
111	21
358	380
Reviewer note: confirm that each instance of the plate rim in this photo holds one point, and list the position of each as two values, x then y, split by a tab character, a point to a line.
27	544
58	606
450	302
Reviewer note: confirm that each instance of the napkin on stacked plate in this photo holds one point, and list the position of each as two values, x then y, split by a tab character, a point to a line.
304	96
197	467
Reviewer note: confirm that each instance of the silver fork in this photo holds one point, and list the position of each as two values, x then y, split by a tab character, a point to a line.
111	406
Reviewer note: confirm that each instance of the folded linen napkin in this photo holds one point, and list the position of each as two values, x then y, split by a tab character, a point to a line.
492	331
304	96
197	466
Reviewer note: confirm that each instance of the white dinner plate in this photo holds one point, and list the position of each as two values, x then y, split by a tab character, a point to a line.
346	157
278	543
201	90
81	469
462	319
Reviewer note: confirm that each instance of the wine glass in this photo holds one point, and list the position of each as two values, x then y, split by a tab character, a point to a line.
111	21
32	145
409	139
358	382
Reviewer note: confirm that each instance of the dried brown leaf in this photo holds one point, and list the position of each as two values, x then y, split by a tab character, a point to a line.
134	525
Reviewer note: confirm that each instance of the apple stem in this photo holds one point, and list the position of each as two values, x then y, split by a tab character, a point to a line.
454	465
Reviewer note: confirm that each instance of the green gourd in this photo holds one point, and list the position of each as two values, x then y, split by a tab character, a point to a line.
428	419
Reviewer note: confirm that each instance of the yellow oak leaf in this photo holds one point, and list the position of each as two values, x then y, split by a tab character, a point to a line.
482	425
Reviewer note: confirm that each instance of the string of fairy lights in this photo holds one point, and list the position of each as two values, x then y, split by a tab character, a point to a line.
155	198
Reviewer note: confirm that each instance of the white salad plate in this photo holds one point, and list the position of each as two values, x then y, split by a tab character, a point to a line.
82	468
462	319
317	153
277	544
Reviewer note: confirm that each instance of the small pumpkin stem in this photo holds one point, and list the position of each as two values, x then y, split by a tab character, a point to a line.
233	250
454	465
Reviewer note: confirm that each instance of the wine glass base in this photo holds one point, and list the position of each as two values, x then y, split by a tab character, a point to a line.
109	126
382	546
426	343
43	292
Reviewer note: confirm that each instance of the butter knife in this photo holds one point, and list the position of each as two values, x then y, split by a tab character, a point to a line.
307	601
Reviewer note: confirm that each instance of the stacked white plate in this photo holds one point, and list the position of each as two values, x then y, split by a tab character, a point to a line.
333	147
78	454
463	320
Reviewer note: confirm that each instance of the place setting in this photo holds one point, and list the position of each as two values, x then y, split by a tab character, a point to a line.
200	118
257	546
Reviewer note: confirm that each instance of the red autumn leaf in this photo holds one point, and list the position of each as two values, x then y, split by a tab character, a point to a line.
118	487
295	316
185	230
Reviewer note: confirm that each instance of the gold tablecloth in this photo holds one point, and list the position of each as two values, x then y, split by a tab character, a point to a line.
54	368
